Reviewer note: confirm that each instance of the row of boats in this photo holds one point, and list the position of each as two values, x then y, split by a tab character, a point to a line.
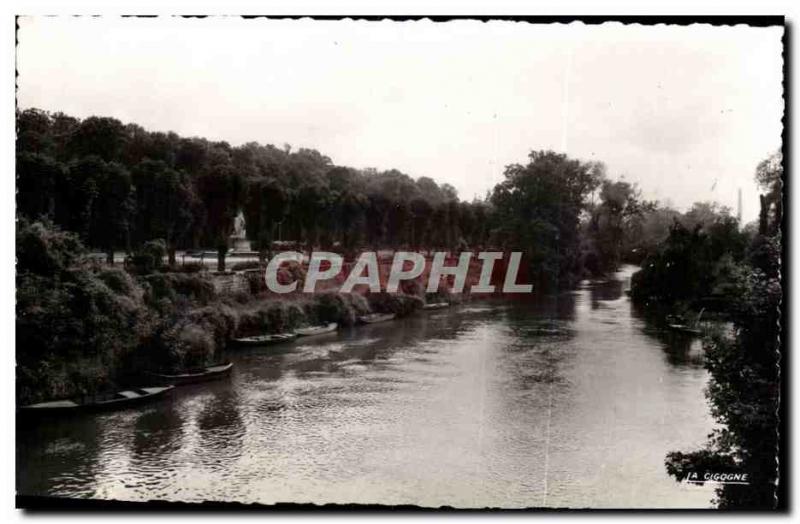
132	397
277	338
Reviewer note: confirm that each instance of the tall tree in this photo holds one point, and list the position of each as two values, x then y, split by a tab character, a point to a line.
538	208
619	204
113	209
267	203
165	203
769	176
102	136
38	176
220	189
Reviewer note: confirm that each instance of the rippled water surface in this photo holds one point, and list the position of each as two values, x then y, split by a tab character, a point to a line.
570	402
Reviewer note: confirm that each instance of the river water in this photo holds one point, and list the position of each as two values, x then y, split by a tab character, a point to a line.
567	402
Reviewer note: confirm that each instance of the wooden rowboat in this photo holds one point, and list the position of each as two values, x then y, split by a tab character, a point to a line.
374	318
316	330
265	340
436	305
107	402
197	375
683	328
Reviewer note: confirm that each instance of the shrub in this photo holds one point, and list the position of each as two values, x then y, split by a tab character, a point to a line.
149	258
44	250
343	308
185	345
119	281
396	303
178	289
75	331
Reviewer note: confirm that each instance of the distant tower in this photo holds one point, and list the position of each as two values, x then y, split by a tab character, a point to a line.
739	207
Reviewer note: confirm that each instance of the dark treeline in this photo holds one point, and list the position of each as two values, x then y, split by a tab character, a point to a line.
119	187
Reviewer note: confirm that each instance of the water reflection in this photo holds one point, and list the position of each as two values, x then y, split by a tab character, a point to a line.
157	433
571	400
59	457
220	428
605	290
680	349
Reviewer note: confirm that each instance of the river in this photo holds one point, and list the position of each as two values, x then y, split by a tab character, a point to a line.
572	401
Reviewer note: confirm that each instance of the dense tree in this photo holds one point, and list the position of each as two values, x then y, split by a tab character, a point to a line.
78	325
34	132
38	178
188	190
101	136
769	176
744	386
690	265
267	204
538	209
165	204
620	203
112	208
220	189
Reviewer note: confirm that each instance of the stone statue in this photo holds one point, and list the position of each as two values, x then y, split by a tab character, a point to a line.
238	240
239	227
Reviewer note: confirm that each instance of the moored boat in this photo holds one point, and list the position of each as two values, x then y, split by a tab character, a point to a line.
677	323
436	305
104	402
265	340
546	331
197	375
683	328
316	330
374	318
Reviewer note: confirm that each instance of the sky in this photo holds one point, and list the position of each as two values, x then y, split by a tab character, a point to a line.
685	112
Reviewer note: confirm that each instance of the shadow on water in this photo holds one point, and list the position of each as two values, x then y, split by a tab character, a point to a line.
158	433
680	349
58	456
221	428
605	291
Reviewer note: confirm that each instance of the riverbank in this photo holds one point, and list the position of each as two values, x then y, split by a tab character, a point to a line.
83	329
88	331
455	407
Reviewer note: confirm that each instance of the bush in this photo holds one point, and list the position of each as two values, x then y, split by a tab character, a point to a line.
178	289
271	316
120	281
44	250
343	308
149	258
75	331
397	303
184	345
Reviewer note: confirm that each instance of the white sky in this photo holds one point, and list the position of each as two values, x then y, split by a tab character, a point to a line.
686	112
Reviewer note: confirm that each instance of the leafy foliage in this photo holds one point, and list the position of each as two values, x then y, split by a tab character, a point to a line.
745	376
538	209
692	264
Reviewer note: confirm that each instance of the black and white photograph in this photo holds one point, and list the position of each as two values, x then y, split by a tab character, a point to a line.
433	263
